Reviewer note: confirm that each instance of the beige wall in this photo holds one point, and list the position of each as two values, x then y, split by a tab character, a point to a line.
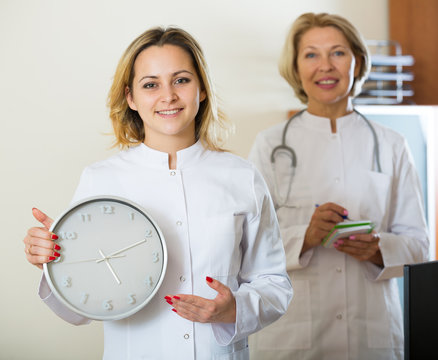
56	63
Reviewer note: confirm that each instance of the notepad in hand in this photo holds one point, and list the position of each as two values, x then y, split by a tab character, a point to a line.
345	229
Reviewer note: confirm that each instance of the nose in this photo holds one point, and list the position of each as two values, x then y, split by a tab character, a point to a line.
325	63
168	94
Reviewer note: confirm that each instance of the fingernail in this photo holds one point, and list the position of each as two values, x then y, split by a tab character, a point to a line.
54	237
168	298
345	212
209	279
57	247
176	297
335	243
169	302
52	258
340	242
352	237
57	254
174	310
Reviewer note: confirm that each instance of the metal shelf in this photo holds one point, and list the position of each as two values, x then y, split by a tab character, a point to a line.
386	83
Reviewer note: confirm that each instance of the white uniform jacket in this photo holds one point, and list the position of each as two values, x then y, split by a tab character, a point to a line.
342	308
218	220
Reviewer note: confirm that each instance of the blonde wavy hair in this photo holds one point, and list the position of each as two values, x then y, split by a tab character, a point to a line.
211	126
288	60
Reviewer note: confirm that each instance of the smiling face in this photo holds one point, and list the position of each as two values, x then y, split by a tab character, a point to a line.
166	93
327	67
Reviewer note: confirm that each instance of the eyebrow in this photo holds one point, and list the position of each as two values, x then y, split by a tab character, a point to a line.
176	73
332	47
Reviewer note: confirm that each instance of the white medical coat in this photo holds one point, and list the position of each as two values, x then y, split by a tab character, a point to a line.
218	220
342	308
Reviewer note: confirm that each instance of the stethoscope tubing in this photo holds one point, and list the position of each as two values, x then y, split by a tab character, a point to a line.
283	147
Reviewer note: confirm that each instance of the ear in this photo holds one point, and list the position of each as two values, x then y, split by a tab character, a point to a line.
202	96
357	66
129	98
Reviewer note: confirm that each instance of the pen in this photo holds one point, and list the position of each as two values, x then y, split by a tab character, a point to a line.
345	217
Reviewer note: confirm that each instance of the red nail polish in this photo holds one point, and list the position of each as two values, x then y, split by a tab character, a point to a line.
209	279
169	302
54	237
168	298
57	254
52	258
57	247
176	297
174	310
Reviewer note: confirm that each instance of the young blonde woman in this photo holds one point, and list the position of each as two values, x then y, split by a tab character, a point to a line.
214	209
346	304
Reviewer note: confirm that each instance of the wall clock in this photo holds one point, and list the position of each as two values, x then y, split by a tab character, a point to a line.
113	258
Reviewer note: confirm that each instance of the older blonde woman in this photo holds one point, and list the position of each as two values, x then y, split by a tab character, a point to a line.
333	163
214	209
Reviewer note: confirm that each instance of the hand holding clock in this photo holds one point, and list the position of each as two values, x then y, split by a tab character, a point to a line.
39	245
194	308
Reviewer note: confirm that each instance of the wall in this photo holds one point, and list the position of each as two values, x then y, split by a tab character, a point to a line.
56	63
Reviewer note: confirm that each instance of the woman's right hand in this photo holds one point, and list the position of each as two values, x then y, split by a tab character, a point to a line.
323	219
38	243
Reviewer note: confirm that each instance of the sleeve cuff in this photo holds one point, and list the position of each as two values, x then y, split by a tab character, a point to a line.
57	307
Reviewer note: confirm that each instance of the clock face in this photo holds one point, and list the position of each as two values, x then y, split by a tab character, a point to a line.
113	258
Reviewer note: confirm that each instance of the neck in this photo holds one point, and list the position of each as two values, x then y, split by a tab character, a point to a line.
170	145
331	111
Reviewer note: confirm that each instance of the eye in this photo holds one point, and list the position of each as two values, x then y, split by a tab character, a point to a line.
149	85
338	53
310	55
182	80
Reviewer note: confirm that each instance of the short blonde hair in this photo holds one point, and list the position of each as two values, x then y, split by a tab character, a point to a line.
211	126
288	60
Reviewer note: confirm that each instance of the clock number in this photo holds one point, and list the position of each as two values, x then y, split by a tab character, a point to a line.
107	305
149	281
107	209
155	257
132	215
131	299
66	281
148	233
85	217
68	235
84	298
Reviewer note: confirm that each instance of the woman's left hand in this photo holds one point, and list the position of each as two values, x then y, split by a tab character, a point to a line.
194	308
363	247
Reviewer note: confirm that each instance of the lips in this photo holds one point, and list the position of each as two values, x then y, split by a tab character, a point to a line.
169	111
327	83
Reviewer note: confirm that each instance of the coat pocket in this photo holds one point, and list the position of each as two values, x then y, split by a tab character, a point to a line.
384	317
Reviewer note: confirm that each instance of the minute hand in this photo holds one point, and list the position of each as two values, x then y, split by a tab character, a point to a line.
122	250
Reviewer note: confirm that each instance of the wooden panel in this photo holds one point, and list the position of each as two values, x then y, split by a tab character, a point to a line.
413	23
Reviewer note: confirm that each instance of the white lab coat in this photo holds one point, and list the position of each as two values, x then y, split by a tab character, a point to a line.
218	220
342	308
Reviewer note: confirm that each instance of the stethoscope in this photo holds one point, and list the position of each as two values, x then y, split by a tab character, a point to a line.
291	153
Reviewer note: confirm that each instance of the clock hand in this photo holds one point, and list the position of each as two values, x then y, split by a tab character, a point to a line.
109	266
95	259
122	250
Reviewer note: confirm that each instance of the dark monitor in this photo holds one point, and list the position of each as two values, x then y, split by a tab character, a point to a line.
421	310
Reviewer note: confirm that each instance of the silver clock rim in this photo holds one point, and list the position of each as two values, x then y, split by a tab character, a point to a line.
159	282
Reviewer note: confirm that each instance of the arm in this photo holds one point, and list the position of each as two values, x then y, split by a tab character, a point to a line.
405	240
265	289
42	250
